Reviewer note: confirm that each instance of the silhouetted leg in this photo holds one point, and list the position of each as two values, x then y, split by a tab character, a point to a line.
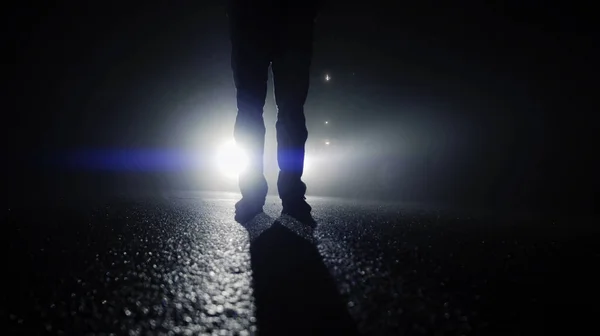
250	63
291	72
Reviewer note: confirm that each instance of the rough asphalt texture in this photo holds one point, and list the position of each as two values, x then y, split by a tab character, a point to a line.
181	265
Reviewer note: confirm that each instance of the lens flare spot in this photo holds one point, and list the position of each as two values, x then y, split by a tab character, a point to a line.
231	160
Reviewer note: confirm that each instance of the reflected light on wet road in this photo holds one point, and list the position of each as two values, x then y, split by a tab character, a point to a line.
180	264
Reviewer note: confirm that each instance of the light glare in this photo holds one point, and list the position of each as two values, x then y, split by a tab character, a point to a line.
231	160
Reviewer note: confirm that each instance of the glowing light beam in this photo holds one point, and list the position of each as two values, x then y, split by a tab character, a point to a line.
231	160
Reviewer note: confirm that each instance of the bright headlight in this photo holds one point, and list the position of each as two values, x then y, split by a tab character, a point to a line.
231	160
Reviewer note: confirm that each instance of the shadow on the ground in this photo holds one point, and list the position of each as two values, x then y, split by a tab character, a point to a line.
293	290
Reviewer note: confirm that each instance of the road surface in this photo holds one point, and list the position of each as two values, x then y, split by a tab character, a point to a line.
179	264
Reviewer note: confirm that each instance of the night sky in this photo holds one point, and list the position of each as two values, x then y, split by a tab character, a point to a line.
473	104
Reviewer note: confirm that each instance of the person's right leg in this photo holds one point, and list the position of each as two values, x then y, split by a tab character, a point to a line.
250	61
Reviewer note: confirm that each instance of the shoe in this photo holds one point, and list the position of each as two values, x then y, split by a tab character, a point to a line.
299	210
246	209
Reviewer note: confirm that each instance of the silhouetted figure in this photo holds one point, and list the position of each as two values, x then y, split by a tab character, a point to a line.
276	33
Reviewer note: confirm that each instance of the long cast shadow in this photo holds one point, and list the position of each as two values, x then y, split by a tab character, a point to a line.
293	290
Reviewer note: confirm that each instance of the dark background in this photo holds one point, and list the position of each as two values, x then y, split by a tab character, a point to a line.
468	103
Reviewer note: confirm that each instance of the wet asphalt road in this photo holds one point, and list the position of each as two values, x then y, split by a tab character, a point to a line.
181	265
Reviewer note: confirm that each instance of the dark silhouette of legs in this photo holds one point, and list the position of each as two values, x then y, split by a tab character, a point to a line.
277	33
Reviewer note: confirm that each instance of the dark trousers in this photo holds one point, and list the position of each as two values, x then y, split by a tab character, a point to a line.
276	33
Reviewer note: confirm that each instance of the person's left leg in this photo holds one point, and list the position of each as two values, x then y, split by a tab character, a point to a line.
291	74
